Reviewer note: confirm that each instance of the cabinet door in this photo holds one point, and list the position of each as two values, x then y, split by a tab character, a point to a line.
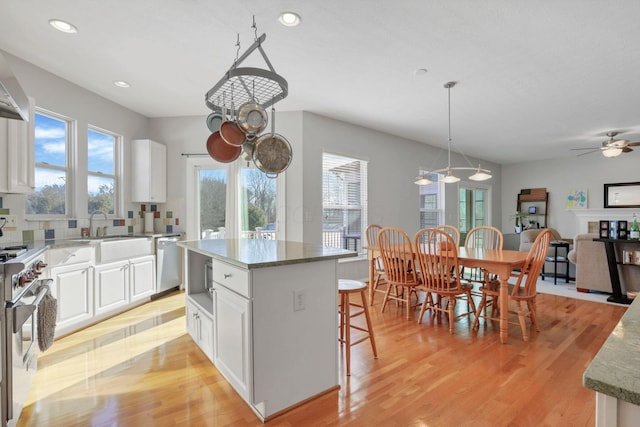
72	286
191	314
158	182
143	283
17	154
149	171
232	342
205	334
112	286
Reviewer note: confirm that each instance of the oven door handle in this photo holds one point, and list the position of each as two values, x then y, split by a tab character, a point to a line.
21	313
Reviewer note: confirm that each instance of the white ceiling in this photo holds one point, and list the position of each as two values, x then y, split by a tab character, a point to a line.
536	78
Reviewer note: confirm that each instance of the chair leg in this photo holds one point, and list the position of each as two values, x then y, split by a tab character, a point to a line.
347	332
482	306
426	305
523	323
376	282
369	326
342	316
532	313
386	298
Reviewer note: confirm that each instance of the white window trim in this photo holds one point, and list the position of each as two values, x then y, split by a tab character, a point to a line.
118	209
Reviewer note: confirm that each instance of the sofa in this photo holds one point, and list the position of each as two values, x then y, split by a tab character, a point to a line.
590	259
592	270
527	237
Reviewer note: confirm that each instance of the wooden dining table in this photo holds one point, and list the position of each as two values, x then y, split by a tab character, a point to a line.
500	262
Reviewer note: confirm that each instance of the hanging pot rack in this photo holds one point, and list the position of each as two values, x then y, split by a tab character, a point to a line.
245	84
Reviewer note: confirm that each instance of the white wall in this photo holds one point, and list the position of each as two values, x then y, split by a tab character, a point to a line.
589	172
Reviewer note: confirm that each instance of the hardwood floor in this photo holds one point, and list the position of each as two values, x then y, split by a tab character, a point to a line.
141	369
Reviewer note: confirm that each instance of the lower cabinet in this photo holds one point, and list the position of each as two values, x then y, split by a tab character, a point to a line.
143	278
232	344
112	286
73	288
200	327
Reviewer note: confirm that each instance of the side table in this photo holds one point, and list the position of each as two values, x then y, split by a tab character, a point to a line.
558	259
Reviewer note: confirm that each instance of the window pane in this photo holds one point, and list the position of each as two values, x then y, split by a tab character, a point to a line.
100	150
50	140
258	201
101	194
344	201
431	195
49	196
213	193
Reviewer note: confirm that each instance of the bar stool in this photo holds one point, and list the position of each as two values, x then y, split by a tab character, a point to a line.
345	288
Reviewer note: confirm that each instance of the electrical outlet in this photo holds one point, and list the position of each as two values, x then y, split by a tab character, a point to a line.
12	220
299	300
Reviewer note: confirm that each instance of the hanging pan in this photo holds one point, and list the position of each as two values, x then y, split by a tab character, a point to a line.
272	152
219	150
231	132
252	118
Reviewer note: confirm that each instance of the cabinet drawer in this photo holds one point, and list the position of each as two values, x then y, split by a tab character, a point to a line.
231	277
69	255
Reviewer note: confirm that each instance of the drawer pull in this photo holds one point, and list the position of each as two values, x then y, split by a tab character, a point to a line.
226	276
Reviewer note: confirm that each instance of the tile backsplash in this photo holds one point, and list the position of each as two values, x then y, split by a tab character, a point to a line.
29	230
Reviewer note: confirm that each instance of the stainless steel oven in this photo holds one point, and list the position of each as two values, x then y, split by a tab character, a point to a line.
22	291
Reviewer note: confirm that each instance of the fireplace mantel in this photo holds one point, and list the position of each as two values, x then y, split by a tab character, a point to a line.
585	216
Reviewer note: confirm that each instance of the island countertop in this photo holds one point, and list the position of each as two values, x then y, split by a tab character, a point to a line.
614	370
258	253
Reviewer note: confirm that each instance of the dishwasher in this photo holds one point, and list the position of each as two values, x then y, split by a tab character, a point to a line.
168	265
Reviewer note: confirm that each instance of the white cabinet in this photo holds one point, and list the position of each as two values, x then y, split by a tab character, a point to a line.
232	342
148	171
200	327
17	167
73	288
112	286
142	276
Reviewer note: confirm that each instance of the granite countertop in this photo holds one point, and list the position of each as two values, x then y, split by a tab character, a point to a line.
256	253
615	371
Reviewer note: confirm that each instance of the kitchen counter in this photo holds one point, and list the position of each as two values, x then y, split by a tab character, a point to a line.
264	312
253	253
614	372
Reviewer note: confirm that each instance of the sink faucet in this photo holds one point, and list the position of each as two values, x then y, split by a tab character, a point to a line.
91	220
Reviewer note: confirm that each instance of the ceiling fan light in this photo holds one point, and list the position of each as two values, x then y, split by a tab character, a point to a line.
612	152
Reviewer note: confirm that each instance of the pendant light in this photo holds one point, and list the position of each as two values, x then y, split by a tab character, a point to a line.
449	178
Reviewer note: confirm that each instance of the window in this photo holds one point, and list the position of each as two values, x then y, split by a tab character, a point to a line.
344	201
236	201
102	172
473	208
52	142
431	202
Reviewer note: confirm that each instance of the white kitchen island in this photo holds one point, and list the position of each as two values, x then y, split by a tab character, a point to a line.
269	322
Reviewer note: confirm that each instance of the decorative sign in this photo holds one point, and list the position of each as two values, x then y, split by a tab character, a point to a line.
577	199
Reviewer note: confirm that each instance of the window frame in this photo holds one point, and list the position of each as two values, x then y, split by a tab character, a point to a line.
440	198
118	198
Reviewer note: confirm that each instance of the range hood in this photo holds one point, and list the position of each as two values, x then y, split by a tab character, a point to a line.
14	103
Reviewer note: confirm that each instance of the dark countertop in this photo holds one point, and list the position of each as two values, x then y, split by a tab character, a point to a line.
257	253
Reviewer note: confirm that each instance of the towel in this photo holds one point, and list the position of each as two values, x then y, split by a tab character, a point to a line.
47	314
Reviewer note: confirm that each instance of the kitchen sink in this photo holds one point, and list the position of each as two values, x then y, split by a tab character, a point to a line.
114	248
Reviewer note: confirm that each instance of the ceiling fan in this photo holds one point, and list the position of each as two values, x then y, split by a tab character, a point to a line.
611	147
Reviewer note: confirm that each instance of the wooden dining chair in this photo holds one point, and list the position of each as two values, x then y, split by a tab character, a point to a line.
452	231
523	290
379	281
486	237
398	259
437	258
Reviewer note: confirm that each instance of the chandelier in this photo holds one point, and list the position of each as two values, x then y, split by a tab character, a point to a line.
479	174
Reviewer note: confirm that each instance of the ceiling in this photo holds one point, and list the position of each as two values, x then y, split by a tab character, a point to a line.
535	79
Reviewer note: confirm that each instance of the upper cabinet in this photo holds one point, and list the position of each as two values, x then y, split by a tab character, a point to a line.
148	171
17	167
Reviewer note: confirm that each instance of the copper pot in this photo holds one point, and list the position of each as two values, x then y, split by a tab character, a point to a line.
231	132
219	150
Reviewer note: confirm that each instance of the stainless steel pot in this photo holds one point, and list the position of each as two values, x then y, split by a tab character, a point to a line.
272	152
252	118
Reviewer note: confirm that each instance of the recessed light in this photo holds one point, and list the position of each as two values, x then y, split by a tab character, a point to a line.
63	26
289	19
121	83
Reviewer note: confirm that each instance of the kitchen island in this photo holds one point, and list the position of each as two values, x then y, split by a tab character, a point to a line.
614	373
265	313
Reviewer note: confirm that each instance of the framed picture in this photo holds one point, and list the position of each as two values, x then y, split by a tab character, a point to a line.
604	225
622	225
532	209
622	234
604	233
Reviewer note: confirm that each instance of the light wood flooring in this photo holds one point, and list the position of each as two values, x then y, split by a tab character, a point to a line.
141	368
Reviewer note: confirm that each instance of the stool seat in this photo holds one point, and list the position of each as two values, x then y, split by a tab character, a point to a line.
345	288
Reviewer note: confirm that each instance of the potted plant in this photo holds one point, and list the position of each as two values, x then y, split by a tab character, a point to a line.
520	220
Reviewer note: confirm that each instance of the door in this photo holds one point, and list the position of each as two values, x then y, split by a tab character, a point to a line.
473	205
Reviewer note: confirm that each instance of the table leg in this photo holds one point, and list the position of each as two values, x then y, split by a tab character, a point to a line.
504	305
372	273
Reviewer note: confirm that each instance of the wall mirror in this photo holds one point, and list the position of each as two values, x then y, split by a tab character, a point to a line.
622	195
